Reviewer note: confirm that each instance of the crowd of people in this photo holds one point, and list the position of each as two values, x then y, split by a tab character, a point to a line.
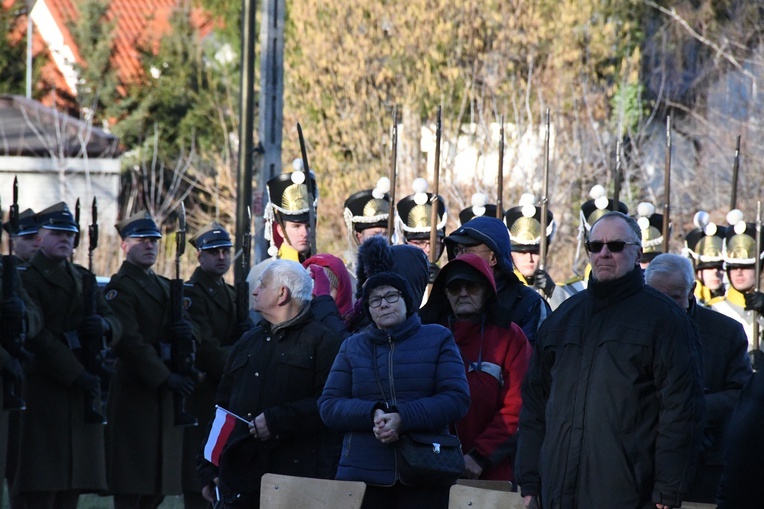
630	386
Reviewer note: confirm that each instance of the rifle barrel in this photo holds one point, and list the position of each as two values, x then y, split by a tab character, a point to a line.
434	200
544	197
500	173
393	178
667	188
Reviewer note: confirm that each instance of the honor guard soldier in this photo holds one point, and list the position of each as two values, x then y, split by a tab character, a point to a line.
287	220
651	225
62	451
480	207
145	445
366	214
740	259
25	241
212	308
705	246
524	225
414	221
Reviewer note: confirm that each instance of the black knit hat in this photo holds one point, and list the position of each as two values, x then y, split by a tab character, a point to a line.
388	279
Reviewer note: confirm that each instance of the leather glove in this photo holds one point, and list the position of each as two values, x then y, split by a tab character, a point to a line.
754	301
91	327
757	359
434	271
544	282
183	385
321	285
182	330
243	327
12	309
12	370
89	383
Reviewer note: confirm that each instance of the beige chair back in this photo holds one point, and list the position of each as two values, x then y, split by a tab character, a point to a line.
468	497
288	492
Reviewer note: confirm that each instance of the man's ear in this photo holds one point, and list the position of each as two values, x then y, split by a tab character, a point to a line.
284	295
639	256
280	230
493	261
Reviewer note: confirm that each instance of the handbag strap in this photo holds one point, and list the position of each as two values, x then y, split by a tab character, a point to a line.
379	381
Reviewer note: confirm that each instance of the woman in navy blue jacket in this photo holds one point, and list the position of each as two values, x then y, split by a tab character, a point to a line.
392	378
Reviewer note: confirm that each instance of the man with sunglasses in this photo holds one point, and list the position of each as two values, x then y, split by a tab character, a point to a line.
613	399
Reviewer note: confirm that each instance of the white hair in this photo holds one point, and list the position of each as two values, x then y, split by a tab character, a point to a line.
666	264
293	276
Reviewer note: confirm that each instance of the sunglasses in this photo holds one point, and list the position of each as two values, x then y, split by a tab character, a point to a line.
614	246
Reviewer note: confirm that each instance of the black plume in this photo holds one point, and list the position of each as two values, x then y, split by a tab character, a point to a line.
374	256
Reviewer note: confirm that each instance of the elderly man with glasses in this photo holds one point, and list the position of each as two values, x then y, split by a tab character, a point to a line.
613	399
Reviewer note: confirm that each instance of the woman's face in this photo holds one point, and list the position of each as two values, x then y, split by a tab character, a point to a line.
386	314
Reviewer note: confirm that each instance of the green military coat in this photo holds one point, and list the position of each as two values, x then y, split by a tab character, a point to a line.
58	450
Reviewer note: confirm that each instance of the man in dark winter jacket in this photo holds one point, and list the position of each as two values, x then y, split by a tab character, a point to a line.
273	378
488	238
726	367
613	399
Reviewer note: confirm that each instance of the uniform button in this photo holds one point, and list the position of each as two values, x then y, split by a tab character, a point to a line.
268	338
257	374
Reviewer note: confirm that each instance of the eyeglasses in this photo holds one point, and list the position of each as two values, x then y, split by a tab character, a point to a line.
421	244
391	298
614	246
461	249
456	287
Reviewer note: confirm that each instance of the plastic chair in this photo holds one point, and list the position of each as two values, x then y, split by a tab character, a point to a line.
468	497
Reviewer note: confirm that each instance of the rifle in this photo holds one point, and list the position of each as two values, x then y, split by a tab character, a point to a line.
735	170
667	188
544	198
242	287
183	348
500	173
13	333
77	234
757	272
434	199
393	178
311	198
93	347
617	176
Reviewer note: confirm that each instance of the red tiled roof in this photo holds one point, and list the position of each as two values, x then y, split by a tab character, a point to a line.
139	23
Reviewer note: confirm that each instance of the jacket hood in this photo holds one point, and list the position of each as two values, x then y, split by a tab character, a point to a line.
484	230
344	298
438	308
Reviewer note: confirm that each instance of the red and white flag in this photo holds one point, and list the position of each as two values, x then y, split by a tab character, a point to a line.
221	429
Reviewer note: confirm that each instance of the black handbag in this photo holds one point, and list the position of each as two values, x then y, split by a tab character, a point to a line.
425	458
429	459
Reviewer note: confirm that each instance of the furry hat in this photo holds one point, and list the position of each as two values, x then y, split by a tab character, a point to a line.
389	279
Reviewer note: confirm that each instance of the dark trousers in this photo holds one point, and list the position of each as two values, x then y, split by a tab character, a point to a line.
400	496
49	499
195	501
137	501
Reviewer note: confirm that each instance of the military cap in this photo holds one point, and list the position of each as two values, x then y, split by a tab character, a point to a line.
369	208
598	206
211	236
139	225
27	224
740	241
651	225
524	225
480	207
415	213
57	217
705	244
288	195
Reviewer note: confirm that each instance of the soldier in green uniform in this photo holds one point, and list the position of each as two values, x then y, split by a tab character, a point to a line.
145	445
651	225
705	246
62	452
212	308
524	225
25	240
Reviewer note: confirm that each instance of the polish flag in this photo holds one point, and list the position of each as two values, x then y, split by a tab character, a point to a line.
222	427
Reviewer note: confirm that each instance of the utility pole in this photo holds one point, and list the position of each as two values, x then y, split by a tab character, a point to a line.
246	129
271	110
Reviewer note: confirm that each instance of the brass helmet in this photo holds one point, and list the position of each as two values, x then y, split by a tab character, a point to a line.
524	225
740	241
651	224
705	243
414	213
480	207
288	201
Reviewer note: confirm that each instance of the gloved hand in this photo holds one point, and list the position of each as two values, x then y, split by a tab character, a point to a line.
321	284
183	385
544	282
757	359
754	301
91	327
182	330
243	327
434	271
12	309
13	370
89	383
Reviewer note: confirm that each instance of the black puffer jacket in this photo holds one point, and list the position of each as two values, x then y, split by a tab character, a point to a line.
612	402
